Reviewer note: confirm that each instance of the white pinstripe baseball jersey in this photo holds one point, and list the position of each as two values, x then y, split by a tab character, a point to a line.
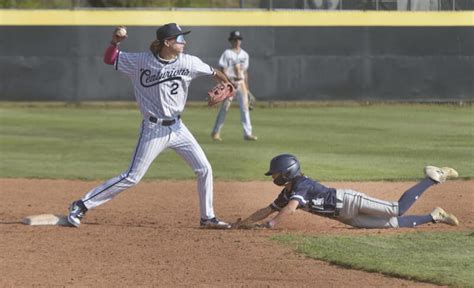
161	87
229	59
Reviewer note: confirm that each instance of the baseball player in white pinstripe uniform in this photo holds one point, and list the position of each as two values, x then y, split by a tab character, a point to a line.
234	62
160	78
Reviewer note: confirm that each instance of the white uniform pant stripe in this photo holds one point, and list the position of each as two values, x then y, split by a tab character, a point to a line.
153	140
149	145
187	147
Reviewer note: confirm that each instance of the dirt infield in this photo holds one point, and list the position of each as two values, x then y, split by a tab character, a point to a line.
149	236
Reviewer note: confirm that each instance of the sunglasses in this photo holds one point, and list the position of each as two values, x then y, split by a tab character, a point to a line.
179	39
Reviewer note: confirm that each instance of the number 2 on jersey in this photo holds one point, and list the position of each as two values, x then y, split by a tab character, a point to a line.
174	88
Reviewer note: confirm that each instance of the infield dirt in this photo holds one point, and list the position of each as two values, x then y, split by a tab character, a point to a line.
149	236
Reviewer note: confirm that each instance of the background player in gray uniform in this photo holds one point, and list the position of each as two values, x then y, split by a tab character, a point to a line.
234	62
160	79
347	206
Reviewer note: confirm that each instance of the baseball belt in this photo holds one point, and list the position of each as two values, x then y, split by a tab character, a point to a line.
164	122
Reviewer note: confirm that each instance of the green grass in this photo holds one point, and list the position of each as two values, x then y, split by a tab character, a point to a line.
379	142
444	258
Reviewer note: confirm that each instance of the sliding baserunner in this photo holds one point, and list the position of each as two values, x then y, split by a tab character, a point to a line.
347	206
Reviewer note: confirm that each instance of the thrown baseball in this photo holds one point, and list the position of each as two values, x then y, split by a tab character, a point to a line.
121	32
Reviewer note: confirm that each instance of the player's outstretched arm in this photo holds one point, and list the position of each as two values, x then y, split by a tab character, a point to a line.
220	77
289	209
250	221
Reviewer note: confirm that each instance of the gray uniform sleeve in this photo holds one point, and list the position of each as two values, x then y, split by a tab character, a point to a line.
127	62
199	68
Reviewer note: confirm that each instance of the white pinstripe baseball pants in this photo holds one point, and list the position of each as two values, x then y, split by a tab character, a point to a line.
244	113
153	139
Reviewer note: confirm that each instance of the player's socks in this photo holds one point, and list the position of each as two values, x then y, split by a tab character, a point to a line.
412	221
412	194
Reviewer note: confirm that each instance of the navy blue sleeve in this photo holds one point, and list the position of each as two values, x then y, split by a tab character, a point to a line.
300	190
281	201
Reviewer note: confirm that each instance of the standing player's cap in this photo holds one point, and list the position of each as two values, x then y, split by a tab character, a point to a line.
169	30
235	35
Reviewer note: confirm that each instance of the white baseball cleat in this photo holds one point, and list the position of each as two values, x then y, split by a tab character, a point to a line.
77	211
250	137
214	223
441	216
216	137
440	174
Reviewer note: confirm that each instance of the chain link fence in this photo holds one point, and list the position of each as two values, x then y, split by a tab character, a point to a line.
382	5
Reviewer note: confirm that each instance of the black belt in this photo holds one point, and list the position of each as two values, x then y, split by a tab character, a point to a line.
164	122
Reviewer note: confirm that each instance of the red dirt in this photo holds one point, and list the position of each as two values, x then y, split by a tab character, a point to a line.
149	236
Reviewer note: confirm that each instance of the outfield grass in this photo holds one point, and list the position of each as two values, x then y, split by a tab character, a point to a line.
444	258
379	142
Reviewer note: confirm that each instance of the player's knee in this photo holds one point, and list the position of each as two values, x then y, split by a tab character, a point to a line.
204	171
131	180
393	222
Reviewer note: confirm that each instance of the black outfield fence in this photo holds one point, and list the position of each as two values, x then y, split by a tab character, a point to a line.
408	63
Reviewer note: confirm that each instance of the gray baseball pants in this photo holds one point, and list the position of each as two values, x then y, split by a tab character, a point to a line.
362	211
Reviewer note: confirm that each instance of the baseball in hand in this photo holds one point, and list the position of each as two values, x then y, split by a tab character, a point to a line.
121	32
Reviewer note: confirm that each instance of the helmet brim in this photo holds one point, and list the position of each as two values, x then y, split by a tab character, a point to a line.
269	173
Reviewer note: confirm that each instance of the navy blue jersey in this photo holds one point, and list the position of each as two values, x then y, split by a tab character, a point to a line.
311	195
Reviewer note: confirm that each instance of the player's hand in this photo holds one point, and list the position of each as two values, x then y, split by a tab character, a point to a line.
265	225
119	35
236	224
240	224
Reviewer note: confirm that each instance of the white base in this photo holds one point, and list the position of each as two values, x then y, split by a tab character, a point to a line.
46	219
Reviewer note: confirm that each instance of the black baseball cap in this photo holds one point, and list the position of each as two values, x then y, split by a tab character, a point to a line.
235	35
170	30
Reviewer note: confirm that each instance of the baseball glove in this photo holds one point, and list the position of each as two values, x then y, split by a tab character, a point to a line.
219	93
252	100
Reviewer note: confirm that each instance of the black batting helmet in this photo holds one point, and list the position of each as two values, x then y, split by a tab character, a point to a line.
288	167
